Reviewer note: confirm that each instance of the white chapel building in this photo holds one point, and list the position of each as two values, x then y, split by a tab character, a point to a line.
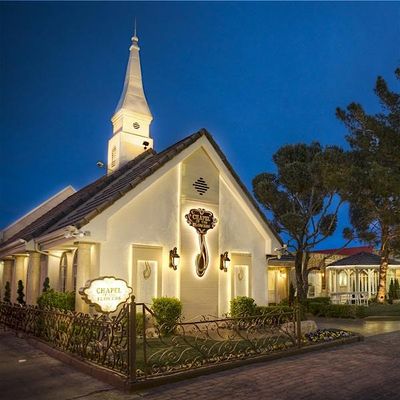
149	211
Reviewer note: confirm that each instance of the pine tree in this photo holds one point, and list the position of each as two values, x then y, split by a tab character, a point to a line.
396	289
7	293
304	198
20	292
374	193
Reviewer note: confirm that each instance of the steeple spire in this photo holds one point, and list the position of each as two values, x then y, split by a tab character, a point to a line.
133	97
132	118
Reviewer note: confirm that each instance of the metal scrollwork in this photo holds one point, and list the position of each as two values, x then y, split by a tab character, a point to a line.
100	339
147	270
202	220
240	274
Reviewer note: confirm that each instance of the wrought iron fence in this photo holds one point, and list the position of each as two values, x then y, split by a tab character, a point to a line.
166	349
99	339
132	344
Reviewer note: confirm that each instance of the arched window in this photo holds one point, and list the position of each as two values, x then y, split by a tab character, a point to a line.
63	272
75	268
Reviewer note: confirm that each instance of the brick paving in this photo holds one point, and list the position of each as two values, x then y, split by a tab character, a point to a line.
361	371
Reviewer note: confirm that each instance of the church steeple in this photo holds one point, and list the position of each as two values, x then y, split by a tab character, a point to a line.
132	118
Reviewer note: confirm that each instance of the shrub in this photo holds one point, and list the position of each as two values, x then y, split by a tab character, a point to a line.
7	293
337	310
396	289
46	285
243	306
62	301
263	310
167	311
20	293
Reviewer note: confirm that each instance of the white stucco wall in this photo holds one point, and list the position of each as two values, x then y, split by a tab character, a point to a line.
151	218
239	234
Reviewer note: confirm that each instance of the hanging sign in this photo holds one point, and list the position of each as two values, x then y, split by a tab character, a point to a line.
106	293
202	220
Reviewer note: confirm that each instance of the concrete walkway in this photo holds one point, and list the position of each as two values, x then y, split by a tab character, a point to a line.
361	371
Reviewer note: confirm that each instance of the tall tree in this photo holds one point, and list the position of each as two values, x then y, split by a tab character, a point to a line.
304	198
375	174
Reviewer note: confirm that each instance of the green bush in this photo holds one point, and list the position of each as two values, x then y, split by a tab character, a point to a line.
243	306
7	293
60	300
262	310
337	310
46	284
167	311
20	293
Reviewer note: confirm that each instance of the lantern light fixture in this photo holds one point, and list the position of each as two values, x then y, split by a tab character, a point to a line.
174	258
224	262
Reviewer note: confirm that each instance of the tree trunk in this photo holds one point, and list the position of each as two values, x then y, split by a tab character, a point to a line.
301	277
384	253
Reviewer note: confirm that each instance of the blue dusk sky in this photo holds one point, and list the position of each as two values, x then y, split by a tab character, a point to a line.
256	75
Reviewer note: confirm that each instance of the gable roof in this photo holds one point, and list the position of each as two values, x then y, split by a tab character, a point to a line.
361	259
347	251
87	203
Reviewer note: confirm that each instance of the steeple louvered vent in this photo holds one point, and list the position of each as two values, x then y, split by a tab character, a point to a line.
201	186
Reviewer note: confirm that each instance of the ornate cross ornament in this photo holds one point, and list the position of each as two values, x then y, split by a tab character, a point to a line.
202	220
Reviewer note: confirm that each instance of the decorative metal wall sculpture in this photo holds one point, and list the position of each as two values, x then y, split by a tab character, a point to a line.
240	274
202	220
146	270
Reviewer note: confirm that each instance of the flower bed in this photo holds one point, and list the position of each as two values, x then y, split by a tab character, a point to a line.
326	335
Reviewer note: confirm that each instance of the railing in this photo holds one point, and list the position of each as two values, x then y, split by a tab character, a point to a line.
358	298
166	349
98	339
133	345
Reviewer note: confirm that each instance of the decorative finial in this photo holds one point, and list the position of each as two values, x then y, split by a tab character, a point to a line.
135	38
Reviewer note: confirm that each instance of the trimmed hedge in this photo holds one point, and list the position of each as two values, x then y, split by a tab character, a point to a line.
243	306
167	311
337	310
60	300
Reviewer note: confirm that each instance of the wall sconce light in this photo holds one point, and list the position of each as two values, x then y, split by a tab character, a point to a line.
224	262
174	258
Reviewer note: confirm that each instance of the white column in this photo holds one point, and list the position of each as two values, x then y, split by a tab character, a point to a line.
336	281
348	280
83	272
70	273
7	274
19	274
33	281
357	280
370	272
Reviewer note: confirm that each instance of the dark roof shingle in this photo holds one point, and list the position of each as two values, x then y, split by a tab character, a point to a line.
85	204
362	258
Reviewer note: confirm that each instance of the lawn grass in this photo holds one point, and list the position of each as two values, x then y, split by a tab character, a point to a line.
176	352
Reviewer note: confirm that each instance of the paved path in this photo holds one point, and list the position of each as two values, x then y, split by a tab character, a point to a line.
362	371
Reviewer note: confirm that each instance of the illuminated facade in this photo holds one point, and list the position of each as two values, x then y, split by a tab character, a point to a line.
161	221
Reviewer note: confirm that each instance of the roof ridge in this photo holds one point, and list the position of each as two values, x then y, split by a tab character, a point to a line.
98	184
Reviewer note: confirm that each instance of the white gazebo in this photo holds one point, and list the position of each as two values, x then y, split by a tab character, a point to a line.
354	279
